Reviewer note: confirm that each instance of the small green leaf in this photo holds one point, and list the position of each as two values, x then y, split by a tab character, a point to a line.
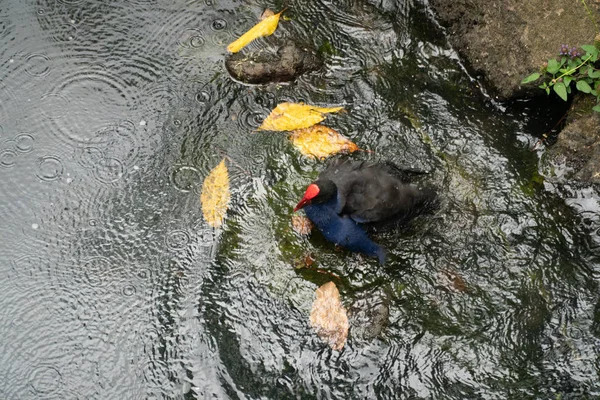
584	87
590	49
553	66
530	78
548	91
593	73
572	64
597	108
594	93
567	80
561	90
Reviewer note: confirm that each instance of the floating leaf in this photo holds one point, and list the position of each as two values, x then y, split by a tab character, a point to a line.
292	116
301	225
215	195
328	317
319	141
266	27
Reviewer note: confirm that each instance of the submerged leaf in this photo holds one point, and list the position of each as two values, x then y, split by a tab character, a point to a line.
301	225
266	27
328	317
215	195
319	141
292	116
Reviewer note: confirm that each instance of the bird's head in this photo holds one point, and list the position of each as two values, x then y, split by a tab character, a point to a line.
317	192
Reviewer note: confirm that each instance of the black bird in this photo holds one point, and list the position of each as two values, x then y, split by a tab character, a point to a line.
351	197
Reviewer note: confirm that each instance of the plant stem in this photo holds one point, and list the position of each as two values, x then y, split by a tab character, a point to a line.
591	15
569	72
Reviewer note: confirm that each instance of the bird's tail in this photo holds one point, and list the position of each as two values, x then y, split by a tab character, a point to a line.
428	201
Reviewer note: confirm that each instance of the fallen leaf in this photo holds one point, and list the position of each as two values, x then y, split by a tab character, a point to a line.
301	225
319	141
328	316
215	195
267	13
452	280
266	27
292	116
306	261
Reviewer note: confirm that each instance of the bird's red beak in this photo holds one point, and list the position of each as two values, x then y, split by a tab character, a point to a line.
311	192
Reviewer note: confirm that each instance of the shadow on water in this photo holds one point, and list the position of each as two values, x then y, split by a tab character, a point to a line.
112	114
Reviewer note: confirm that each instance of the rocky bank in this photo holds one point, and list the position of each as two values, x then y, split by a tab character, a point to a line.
504	41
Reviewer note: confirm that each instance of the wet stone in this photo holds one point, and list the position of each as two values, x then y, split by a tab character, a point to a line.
575	158
282	63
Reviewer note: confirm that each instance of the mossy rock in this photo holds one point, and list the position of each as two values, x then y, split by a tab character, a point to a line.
282	63
575	158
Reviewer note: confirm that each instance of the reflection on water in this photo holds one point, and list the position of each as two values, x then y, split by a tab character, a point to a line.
112	114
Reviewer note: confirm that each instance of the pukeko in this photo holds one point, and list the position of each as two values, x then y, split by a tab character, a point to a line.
350	198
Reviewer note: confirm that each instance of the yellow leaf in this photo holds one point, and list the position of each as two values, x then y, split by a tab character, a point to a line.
292	116
215	195
328	316
319	141
266	27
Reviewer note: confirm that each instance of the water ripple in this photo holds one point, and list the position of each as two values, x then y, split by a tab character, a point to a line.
87	115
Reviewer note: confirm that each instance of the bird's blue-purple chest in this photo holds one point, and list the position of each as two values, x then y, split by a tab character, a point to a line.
341	229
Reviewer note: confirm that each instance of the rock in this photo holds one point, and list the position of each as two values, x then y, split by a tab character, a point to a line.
575	157
282	64
369	314
508	40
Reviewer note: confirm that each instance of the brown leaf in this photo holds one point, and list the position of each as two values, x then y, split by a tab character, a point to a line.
301	225
292	116
267	13
215	195
266	27
328	316
452	280
319	141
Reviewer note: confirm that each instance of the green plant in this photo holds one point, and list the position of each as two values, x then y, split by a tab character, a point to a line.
572	67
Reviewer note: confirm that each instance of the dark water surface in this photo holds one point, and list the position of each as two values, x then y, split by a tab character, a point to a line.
113	286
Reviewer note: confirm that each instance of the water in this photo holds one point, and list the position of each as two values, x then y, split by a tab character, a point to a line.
113	286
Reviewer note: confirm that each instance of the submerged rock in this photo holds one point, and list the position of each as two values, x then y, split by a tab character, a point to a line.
282	64
369	314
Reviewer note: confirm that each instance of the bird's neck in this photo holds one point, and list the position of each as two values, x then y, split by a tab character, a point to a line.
322	214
